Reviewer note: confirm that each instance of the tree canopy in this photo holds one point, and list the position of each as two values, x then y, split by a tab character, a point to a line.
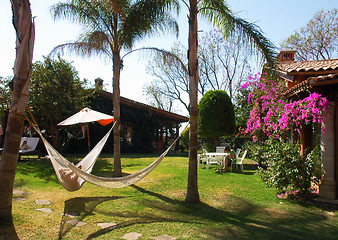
216	115
318	40
56	92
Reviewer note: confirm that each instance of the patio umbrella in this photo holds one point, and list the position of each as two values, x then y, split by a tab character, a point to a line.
87	115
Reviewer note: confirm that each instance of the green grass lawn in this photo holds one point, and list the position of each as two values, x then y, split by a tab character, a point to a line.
233	206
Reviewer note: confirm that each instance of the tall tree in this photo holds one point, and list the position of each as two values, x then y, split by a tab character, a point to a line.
223	64
24	27
110	26
318	40
56	92
217	12
171	81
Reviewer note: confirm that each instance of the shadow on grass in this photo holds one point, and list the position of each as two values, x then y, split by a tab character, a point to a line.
245	220
84	206
242	220
145	218
141	219
81	207
236	171
19	183
41	168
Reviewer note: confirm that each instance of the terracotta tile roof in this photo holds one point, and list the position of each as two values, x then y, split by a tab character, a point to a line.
312	82
323	78
309	66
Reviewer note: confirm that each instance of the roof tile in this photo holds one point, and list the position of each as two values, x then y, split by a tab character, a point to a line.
308	66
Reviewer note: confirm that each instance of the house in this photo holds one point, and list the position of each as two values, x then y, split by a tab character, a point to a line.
143	128
320	76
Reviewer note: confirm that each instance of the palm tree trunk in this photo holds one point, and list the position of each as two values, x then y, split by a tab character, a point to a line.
192	196
22	21
116	99
116	103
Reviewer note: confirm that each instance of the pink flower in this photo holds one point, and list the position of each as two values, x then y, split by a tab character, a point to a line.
273	115
247	84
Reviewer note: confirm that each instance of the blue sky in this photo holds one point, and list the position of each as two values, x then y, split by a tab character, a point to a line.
278	19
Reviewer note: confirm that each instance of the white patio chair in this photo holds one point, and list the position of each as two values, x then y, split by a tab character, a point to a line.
240	161
234	161
220	149
238	151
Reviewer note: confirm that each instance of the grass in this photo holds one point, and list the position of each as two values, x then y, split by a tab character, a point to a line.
233	205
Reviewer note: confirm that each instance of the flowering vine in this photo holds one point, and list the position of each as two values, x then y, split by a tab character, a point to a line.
272	115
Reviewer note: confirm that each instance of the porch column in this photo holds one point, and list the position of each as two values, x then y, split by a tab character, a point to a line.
177	145
327	188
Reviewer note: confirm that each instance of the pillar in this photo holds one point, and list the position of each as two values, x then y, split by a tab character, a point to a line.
327	188
177	145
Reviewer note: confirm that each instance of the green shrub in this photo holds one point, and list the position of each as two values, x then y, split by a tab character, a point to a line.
216	117
287	170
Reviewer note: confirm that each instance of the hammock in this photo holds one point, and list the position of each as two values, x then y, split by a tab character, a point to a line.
120	182
67	178
72	177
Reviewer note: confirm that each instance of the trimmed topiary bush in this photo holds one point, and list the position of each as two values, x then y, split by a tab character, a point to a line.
216	115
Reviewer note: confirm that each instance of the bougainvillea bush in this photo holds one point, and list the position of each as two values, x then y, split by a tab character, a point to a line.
273	116
274	119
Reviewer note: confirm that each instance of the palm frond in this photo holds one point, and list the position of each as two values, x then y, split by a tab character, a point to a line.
85	12
217	12
148	17
80	48
165	55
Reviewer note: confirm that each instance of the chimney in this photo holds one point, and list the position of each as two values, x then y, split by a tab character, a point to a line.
98	83
286	55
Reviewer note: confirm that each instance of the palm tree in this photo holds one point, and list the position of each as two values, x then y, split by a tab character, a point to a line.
218	13
110	27
24	27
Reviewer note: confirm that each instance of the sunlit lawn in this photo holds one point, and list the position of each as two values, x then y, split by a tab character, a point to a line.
234	206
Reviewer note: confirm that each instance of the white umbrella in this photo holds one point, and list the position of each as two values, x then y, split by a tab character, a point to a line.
87	115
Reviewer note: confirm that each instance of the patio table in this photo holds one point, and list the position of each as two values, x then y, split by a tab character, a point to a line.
215	158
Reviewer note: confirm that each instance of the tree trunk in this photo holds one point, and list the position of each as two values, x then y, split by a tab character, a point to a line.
116	103
22	21
116	99
192	196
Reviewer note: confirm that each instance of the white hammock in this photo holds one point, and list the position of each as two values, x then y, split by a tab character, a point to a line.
72	177
67	178
120	182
